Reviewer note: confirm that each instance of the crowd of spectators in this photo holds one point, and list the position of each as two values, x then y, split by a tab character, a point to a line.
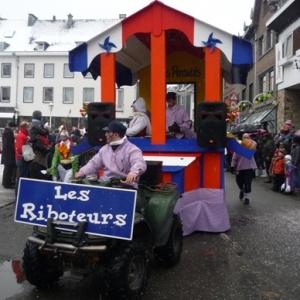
278	158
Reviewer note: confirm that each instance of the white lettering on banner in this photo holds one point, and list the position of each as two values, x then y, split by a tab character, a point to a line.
30	213
72	195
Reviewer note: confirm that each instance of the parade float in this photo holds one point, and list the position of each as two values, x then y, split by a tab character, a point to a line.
156	46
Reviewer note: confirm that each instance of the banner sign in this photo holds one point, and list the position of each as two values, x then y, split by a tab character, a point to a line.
108	211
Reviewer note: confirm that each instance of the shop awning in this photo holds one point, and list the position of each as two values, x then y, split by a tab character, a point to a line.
263	116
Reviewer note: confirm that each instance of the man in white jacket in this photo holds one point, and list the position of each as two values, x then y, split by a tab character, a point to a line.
140	125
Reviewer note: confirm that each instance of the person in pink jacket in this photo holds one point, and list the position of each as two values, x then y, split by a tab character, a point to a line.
118	158
177	119
243	168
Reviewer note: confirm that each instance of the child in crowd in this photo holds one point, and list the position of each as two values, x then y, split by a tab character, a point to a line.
289	171
277	166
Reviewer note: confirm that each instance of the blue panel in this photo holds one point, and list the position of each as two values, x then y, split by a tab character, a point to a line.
170	169
178	177
82	147
78	58
172	145
108	211
233	145
242	51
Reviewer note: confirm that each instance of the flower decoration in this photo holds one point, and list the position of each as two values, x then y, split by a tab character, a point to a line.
232	114
263	97
84	110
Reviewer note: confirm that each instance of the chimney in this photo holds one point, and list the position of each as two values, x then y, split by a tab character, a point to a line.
70	21
122	16
31	19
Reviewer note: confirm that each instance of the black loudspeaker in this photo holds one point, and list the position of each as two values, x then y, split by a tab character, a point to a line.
211	124
100	114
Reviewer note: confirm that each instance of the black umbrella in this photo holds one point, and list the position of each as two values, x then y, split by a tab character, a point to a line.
244	128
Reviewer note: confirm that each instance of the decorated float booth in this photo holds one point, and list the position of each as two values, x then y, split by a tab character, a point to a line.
159	45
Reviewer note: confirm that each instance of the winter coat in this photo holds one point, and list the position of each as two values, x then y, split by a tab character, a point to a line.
21	139
296	155
268	149
278	165
8	147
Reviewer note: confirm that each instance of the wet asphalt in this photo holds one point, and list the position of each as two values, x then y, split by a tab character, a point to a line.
258	258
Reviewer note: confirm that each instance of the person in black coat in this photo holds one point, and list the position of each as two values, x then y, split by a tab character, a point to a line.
268	153
8	158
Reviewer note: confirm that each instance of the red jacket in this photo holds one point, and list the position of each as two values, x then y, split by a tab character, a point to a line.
20	140
278	165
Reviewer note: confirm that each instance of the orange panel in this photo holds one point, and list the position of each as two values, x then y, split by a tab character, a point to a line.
212	161
108	78
158	88
212	170
192	175
167	17
167	177
212	74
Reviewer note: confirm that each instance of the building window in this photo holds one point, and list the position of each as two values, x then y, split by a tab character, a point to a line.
287	46
269	39
40	46
88	75
271	84
67	72
261	46
48	70
244	94
28	94
120	100
5	94
88	95
263	84
6	70
48	94
251	92
29	70
68	95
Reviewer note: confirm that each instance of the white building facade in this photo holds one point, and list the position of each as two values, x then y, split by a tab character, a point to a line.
35	73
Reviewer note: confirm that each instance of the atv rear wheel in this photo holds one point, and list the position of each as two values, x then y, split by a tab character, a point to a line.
169	254
37	267
125	275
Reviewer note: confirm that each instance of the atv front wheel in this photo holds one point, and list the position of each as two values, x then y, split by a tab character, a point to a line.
37	268
125	275
169	254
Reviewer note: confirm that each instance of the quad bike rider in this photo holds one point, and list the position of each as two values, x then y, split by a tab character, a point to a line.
123	261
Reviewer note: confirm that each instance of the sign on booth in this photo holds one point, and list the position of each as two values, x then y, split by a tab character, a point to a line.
107	211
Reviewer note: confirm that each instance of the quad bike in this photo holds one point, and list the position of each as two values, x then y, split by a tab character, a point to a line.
123	264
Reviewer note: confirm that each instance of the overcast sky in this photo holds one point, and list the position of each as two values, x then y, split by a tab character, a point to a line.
228	15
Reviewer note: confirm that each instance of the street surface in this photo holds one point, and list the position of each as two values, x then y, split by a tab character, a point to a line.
258	258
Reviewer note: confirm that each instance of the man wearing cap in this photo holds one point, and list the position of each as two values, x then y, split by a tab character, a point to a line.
63	161
140	124
8	155
118	157
177	118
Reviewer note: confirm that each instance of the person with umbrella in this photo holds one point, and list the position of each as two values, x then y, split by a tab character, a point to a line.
243	168
244	128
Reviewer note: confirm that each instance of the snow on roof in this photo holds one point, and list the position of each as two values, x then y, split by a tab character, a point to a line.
53	32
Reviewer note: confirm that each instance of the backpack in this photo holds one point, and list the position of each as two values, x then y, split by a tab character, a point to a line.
27	152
